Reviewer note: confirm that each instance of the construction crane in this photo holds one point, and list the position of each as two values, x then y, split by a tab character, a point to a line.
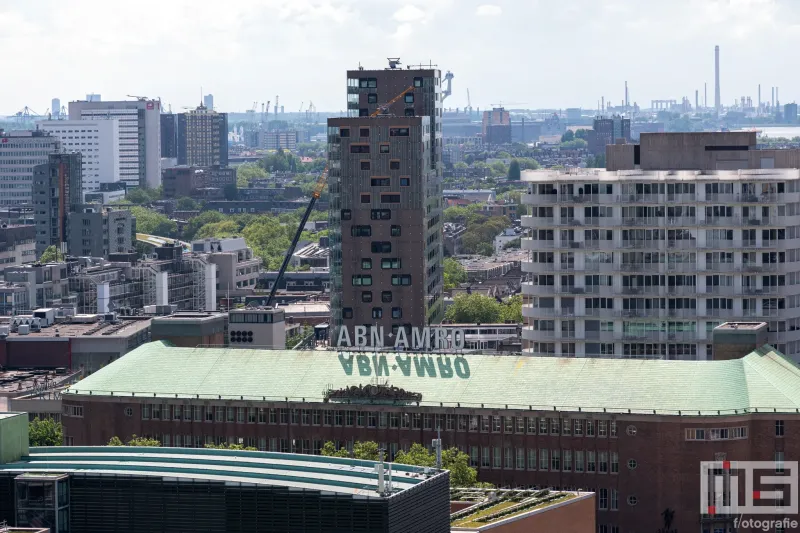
301	107
383	109
264	117
310	111
449	79
317	192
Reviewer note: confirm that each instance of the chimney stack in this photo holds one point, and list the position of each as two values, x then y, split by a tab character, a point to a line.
717	102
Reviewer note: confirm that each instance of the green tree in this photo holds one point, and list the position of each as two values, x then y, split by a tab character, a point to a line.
249	171
416	455
367	451
142	441
498	169
568	136
485	249
461	165
115	441
457	462
474	309
528	163
575	144
329	450
515	244
137	196
153	223
514	173
226	446
454	273
194	225
511	310
186	204
582	134
45	432
50	255
219	230
230	191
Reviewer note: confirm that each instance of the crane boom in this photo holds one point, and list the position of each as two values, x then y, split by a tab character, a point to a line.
315	194
385	107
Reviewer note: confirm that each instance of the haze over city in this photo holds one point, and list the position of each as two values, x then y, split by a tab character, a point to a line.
531	53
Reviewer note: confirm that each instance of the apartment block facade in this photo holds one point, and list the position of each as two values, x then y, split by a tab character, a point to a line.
385	223
96	231
57	191
644	264
98	143
203	138
20	152
139	136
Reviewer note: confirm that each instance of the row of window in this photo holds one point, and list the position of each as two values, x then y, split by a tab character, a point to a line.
364	164
716	433
559	460
385	197
392	263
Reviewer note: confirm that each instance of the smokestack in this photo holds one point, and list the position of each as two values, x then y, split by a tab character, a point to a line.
626	96
717	102
759	98
603	104
777	98
773	98
705	95
696	100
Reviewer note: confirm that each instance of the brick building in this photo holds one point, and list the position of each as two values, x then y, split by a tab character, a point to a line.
190	181
632	431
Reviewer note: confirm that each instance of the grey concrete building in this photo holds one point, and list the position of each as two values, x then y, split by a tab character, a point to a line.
607	130
46	285
237	267
96	231
17	245
20	152
257	328
169	135
139	136
57	191
385	223
645	263
191	329
203	138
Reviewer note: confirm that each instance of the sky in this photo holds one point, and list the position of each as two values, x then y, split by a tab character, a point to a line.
521	53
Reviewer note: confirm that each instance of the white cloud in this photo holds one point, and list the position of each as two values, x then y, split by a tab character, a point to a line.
488	10
408	13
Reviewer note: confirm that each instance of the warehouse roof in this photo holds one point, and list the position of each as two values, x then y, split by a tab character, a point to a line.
762	381
331	474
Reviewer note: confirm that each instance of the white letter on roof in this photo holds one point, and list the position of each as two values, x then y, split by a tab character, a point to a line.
361	336
344	337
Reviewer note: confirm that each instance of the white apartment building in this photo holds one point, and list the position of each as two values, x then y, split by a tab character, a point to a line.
139	136
98	143
20	151
644	264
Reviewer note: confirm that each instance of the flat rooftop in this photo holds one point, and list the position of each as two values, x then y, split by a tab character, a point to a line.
123	328
300	471
509	504
733	326
763	380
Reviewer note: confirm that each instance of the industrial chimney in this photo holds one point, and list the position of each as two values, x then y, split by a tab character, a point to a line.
716	80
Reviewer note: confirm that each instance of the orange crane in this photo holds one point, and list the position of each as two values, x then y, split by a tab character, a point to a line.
383	109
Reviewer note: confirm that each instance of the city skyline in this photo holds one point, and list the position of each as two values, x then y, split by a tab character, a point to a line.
255	49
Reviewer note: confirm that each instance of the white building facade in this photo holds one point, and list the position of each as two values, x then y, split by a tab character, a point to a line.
139	136
98	143
644	264
20	151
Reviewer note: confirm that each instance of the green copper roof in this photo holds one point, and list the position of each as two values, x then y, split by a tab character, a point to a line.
763	380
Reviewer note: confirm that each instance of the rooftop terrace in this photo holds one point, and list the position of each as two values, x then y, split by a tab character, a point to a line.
763	381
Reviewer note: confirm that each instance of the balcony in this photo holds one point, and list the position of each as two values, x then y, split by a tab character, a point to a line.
642	221
640	267
717	244
682	290
573	245
539	199
639	290
682	267
718	267
568	222
535	244
537	290
601	336
529	311
722	221
530	267
530	334
638	313
754	267
719	313
599	267
640	198
681	221
681	198
641	245
571	289
725	198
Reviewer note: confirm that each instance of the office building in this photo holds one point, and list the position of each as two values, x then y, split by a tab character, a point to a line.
208	102
55	107
237	267
20	152
496	127
169	136
197	182
96	231
191	329
57	191
790	113
278	140
260	327
211	490
385	224
139	136
98	143
616	425
608	130
203	138
38	286
17	245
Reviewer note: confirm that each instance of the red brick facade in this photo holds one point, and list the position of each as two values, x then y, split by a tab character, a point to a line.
635	456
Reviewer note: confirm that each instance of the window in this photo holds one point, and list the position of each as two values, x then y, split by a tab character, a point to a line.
408	98
779	462
386	297
347	312
578	427
361	231
401	279
395	231
345	132
614	500
366	296
405	182
632	464
591	466
365	198
366	264
377	312
384	148
417	82
409	112
589	428
601	428
579	464
602	499
372	98
398	132
631	431
368	83
567	460
359	148
379	182
381	247
347	214
390	197
390	263
555	460
365	165
397	312
779	428
394	164
363	132
632	500
602	460
380	214
614	463
362	280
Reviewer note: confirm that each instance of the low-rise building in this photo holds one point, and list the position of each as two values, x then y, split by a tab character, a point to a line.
312	254
473	195
17	245
97	231
189	181
314	280
191	329
259	327
508	235
237	267
45	285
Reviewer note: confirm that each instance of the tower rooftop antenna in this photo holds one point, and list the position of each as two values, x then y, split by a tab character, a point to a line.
394	62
